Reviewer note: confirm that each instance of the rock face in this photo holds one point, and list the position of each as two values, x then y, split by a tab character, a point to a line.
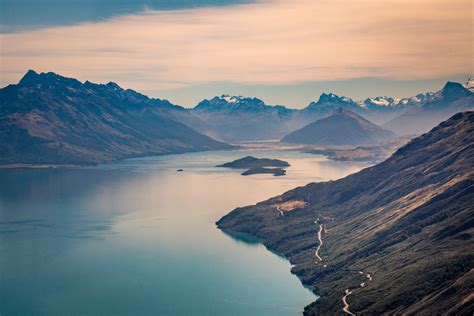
341	128
47	118
398	237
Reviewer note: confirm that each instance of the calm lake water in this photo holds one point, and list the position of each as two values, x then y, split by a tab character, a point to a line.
137	237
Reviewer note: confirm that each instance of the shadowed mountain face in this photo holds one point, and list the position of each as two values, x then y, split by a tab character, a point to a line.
341	128
453	98
398	236
47	118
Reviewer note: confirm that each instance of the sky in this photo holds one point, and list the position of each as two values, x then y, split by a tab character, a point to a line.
283	51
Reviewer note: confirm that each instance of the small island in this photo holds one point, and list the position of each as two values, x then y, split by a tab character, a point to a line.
258	166
277	172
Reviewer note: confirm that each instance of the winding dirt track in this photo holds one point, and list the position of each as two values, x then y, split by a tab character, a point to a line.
320	239
347	292
346	309
280	211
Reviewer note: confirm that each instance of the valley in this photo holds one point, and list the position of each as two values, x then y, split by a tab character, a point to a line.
236	157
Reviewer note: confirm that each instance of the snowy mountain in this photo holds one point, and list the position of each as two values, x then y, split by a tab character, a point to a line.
329	102
236	103
469	85
238	118
436	107
378	103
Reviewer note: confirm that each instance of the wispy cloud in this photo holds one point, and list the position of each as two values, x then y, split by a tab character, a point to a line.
268	42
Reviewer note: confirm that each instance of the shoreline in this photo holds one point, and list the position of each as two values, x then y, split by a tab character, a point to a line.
327	152
38	166
248	238
19	165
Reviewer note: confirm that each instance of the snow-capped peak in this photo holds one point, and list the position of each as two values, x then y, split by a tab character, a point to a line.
381	101
230	99
469	84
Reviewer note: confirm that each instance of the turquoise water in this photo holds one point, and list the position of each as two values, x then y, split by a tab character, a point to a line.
137	237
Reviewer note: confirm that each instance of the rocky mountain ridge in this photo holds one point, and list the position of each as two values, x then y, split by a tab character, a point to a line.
395	238
50	119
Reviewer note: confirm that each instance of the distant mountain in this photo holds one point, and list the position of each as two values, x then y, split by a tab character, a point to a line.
416	101
469	85
393	104
236	118
329	102
378	109
236	103
380	103
341	128
435	108
50	119
397	238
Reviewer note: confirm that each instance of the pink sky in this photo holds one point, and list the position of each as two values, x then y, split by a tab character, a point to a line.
268	42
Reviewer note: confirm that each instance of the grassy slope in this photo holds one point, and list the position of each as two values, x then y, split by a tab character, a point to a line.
407	221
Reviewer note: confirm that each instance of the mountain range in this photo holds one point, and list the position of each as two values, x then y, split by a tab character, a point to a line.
392	239
237	118
453	98
50	119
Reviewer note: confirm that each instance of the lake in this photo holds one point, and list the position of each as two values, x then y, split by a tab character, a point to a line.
138	237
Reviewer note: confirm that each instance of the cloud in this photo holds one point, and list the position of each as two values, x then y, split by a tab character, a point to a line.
268	42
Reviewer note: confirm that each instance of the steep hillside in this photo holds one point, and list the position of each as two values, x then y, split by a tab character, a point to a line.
50	119
391	239
341	128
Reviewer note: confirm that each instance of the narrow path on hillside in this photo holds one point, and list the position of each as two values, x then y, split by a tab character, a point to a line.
346	309
320	239
347	292
280	211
